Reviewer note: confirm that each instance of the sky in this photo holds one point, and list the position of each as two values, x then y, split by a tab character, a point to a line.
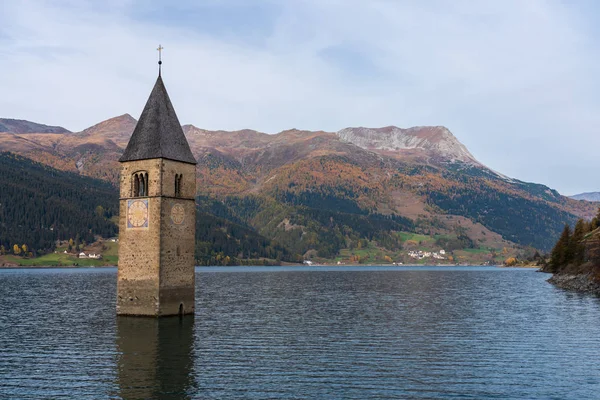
516	81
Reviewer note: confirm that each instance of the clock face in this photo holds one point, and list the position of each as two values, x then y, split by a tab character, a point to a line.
137	213
177	214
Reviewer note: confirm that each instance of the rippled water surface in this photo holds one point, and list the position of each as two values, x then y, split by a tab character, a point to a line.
303	333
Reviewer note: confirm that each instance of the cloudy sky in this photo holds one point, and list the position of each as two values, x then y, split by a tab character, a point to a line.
517	81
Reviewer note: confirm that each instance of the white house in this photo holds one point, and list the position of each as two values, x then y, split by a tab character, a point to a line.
91	255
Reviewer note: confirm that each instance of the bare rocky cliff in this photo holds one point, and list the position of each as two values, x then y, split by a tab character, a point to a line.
435	143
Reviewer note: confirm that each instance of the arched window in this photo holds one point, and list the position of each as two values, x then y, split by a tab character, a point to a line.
142	191
140	184
145	184
178	178
179	184
136	185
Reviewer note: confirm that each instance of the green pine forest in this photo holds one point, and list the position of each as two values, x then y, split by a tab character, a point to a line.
39	205
577	250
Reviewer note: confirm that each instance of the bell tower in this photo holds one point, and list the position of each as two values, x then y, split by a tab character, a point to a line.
157	215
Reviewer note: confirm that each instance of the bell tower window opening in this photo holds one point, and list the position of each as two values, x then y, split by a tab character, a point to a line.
142	190
136	185
140	184
178	184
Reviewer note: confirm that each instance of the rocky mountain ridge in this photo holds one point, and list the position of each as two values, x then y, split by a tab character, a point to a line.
424	142
23	126
589	196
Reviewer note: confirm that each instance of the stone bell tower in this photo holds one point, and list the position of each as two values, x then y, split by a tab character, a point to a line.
157	222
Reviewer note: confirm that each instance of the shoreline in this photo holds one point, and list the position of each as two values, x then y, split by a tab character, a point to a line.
268	266
54	266
582	283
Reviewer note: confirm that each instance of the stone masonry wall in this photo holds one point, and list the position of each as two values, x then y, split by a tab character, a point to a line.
153	167
139	248
156	264
177	275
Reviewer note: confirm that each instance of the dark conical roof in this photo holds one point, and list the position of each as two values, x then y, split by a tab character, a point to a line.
158	133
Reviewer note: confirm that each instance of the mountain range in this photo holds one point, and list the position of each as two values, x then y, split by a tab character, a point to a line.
321	192
22	126
589	196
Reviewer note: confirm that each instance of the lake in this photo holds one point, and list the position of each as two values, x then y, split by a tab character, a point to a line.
297	332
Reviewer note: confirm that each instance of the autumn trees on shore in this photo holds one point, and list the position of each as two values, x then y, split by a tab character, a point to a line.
576	247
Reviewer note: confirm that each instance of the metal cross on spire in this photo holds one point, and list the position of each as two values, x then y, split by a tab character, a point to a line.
160	49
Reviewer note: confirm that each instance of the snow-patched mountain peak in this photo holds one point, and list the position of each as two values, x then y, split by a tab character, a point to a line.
436	141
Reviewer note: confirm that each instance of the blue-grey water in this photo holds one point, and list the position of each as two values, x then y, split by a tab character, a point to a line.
261	333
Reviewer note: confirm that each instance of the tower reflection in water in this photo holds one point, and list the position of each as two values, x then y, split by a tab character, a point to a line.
155	357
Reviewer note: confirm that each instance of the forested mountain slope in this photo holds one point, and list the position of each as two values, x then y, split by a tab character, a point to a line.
39	205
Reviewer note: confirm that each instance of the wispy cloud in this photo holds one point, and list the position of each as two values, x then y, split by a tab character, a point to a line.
514	80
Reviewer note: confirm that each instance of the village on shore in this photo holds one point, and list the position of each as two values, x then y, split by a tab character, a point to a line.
104	252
